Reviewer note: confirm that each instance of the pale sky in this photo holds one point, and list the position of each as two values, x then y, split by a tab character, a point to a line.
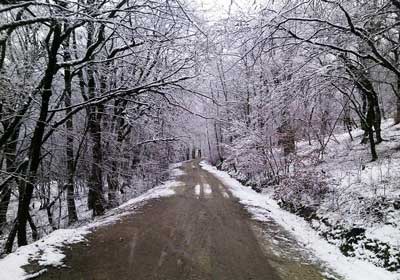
216	9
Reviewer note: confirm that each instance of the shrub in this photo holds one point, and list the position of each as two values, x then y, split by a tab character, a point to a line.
302	191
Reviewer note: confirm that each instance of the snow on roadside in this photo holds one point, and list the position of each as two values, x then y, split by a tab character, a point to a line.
197	190
48	250
207	189
350	268
222	190
175	165
176	172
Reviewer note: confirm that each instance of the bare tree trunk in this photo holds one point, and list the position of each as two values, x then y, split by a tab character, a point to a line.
370	100
364	112
377	120
217	131
369	125
36	142
287	138
96	199
4	202
11	237
194	153
187	155
112	178
69	149
209	144
397	93
397	116
347	120
5	190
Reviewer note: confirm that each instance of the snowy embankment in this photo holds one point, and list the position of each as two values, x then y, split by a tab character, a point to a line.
361	213
48	251
260	204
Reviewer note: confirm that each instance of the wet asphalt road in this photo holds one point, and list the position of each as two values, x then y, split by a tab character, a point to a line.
200	233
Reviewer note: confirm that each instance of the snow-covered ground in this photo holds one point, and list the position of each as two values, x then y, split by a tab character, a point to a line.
352	202
59	212
261	205
348	165
365	194
48	252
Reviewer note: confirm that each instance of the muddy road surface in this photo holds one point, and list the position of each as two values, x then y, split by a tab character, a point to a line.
200	233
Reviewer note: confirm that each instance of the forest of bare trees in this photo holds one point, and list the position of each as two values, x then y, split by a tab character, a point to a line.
311	68
86	95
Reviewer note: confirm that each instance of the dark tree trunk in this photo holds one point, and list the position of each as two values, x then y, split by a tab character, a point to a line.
287	138
373	117
5	190
5	196
397	116
96	198
27	191
187	155
36	142
112	180
397	93
72	213
95	184
122	132
364	115
11	237
369	126
209	145
377	120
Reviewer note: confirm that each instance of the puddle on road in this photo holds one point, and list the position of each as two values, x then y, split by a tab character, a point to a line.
285	254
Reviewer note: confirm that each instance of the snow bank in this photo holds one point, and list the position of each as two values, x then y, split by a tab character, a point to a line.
165	190
48	250
197	190
175	165
260	204
207	189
